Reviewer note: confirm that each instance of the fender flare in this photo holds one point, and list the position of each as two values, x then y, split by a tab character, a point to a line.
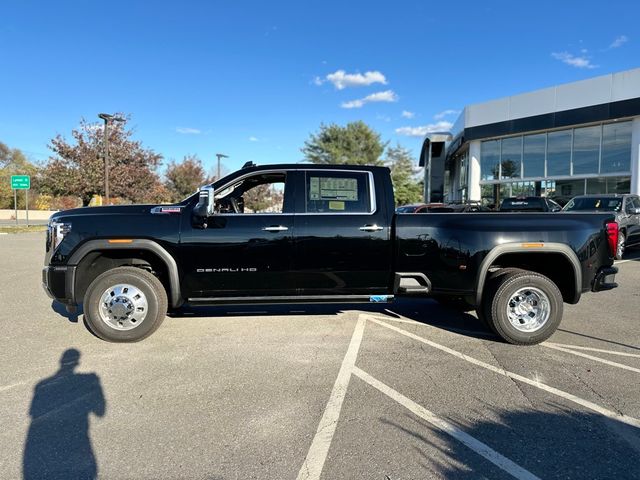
518	247
175	296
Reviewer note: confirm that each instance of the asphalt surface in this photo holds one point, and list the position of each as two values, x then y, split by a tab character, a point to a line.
404	391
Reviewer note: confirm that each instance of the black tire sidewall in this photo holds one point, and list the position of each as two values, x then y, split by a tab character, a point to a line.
156	307
508	285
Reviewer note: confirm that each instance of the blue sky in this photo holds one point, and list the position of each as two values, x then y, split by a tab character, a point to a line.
253	79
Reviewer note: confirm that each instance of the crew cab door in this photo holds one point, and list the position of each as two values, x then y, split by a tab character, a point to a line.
245	249
343	240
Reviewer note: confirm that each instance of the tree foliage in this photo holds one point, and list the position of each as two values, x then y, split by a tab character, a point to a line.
77	167
185	177
354	144
406	187
13	162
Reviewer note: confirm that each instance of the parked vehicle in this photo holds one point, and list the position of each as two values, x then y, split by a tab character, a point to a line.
412	208
315	233
626	209
529	204
465	207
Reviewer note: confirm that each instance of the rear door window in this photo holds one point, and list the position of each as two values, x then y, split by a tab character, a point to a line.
338	192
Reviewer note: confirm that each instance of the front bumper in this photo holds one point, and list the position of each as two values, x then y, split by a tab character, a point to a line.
58	283
605	279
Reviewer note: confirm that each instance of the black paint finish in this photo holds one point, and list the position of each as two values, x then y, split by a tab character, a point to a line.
326	255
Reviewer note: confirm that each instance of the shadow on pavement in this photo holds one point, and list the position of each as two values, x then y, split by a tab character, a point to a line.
598	338
425	311
61	310
58	445
563	444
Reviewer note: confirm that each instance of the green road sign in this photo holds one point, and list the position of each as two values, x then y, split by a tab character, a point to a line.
20	182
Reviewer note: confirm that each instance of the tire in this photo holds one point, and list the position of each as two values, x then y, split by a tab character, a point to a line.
620	248
137	305
483	311
524	308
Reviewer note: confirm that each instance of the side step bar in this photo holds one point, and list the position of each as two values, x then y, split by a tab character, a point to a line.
411	283
284	299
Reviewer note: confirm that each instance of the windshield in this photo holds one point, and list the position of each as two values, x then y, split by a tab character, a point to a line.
602	204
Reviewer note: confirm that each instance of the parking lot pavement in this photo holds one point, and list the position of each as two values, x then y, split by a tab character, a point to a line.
399	391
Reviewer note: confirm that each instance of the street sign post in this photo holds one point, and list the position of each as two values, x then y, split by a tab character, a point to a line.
21	182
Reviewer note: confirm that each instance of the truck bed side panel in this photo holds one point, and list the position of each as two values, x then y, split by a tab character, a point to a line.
450	248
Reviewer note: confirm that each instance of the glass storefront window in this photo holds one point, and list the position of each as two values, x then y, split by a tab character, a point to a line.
533	160
511	157
616	147
586	150
490	159
559	153
608	185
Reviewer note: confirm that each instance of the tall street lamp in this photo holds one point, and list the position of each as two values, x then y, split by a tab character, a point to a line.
107	119
220	155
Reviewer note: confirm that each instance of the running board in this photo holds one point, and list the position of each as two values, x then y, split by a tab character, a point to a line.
291	299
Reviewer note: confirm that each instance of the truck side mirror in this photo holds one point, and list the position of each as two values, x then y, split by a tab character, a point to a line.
204	208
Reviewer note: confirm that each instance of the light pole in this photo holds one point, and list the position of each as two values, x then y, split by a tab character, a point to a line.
107	118
220	155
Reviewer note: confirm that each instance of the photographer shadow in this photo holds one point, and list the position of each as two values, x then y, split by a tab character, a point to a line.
58	445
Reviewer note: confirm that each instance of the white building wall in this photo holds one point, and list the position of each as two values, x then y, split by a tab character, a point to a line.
473	180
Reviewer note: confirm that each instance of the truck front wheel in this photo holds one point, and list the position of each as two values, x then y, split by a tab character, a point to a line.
125	304
524	308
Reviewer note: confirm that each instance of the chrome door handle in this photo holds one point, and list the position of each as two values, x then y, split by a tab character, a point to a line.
371	228
275	228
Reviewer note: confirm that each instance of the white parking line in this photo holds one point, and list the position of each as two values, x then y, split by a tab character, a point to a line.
9	387
476	445
591	349
591	357
464	331
568	396
313	463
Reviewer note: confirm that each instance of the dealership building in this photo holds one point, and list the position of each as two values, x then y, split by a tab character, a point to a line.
562	141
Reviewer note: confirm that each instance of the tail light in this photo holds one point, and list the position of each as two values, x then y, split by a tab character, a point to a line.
612	236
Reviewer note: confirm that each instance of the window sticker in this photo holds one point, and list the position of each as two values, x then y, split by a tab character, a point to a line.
336	205
331	188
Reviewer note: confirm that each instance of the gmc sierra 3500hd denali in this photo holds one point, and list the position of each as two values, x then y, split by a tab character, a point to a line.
309	233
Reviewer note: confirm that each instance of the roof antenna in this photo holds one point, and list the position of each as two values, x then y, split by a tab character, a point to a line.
249	164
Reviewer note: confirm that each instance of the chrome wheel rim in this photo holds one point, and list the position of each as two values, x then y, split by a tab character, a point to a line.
528	309
123	307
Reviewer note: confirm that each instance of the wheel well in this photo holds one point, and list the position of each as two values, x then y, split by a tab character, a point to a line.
556	266
97	262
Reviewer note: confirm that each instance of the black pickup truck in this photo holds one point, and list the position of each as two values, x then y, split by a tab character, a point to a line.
309	233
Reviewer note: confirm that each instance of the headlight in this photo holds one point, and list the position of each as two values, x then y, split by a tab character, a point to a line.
56	233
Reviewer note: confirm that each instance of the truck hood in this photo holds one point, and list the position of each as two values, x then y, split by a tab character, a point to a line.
108	210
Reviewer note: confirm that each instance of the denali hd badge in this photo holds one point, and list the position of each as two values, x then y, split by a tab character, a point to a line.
226	270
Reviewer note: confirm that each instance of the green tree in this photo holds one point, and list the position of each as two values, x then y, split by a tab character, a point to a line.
354	144
13	162
406	187
77	167
185	177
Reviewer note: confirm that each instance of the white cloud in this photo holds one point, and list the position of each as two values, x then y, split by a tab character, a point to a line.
407	114
445	113
385	96
318	81
423	130
341	79
574	61
188	131
253	139
619	41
